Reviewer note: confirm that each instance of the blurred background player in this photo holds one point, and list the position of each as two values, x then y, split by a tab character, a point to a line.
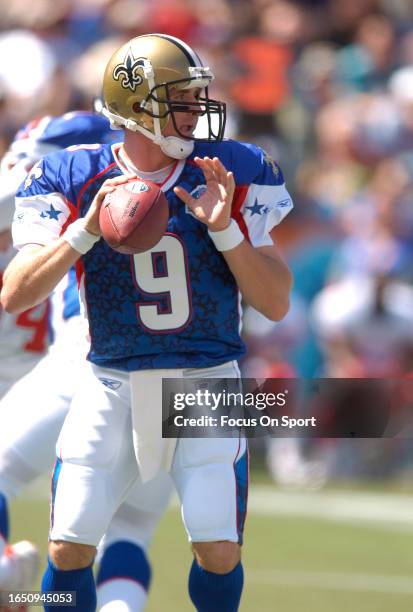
32	413
23	338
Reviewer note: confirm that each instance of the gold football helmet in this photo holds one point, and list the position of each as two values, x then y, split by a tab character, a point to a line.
137	86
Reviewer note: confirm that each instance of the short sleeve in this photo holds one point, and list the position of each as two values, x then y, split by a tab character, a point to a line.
266	201
41	208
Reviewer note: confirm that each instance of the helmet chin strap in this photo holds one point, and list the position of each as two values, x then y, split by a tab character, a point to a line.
175	147
172	146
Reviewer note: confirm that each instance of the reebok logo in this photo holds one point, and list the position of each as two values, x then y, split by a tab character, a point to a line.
110	383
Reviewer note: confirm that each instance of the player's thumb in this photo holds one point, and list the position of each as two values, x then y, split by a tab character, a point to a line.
183	195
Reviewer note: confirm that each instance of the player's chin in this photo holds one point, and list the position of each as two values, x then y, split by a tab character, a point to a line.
187	131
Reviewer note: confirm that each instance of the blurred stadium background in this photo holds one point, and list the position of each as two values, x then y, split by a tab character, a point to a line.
326	87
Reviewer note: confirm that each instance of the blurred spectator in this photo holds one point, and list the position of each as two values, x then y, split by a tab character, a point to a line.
366	64
366	327
86	73
31	82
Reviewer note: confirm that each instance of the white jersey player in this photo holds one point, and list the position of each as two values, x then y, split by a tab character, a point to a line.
23	338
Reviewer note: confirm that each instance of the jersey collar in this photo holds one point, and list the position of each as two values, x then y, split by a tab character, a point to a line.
166	184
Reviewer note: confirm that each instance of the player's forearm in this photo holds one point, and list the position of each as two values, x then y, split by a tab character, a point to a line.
264	281
33	274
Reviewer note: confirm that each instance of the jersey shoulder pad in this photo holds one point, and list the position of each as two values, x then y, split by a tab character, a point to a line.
66	171
248	162
253	163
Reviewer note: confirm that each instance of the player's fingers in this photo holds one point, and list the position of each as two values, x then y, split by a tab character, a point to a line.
102	193
220	170
183	195
106	189
230	184
225	178
191	202
207	168
203	162
116	180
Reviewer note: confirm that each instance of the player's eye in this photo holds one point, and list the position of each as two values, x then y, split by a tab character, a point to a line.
181	108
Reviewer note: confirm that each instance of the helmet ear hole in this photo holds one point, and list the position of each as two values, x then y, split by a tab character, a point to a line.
143	119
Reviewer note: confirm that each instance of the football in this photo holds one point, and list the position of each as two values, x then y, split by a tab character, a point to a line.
134	217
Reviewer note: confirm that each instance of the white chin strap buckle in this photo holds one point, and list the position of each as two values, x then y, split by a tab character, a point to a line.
175	147
172	146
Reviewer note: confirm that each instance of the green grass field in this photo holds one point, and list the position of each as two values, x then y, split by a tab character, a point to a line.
346	550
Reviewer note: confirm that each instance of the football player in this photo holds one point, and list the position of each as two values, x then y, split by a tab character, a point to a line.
23	337
32	412
170	312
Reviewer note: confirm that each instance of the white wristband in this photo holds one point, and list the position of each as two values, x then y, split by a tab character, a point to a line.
78	237
229	238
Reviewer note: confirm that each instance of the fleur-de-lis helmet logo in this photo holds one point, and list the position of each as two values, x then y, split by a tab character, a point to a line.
128	71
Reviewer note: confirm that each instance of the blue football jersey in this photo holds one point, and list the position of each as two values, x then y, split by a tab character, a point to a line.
64	306
176	305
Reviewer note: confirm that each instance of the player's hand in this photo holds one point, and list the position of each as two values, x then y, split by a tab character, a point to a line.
92	215
213	207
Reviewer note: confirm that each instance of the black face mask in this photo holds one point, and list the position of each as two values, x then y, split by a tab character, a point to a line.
204	106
